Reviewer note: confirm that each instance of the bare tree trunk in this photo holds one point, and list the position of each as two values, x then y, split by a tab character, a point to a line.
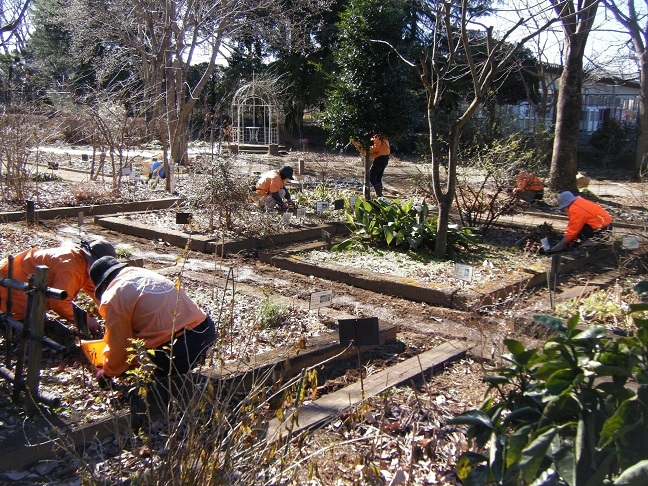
565	151
446	197
641	155
577	21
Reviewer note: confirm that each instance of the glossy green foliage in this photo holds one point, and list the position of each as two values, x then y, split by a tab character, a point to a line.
398	224
371	89
572	412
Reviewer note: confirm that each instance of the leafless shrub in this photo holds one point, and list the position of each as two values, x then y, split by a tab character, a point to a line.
482	203
77	129
19	135
225	192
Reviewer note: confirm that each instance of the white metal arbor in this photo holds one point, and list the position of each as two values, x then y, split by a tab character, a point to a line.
255	118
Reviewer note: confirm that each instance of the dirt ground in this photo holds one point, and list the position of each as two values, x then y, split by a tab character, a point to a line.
420	448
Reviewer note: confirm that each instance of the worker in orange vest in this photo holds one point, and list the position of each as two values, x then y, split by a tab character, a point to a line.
271	188
379	154
68	270
529	187
138	303
586	219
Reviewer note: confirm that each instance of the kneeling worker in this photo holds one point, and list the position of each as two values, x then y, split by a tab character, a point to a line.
138	303
586	218
529	187
271	190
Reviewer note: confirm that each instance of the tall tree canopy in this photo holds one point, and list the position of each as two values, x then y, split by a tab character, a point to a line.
371	89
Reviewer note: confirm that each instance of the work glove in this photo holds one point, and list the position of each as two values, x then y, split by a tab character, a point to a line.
103	380
284	206
558	246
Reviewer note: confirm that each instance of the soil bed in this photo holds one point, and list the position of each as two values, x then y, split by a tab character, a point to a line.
401	436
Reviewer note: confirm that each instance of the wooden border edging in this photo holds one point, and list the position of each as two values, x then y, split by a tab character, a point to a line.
95	210
382	283
411	290
19	454
289	361
330	406
207	244
143	230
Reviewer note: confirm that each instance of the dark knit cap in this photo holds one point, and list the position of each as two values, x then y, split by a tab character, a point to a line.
103	271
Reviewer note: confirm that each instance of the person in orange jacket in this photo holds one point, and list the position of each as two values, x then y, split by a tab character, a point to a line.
68	270
379	154
271	188
586	218
137	303
529	187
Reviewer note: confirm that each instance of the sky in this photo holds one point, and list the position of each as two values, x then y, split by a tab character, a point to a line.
606	47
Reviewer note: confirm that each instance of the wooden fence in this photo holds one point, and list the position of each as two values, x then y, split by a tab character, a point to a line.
25	376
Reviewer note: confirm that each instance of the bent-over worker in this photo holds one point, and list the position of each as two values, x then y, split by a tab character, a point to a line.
529	187
586	218
68	270
137	303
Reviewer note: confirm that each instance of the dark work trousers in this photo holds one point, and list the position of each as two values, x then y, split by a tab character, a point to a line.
588	232
188	349
376	172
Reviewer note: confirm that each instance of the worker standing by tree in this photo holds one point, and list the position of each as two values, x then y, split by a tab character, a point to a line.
379	154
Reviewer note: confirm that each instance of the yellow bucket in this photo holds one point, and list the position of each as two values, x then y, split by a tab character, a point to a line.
93	350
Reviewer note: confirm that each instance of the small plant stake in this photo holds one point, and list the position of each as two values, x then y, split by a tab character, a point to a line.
285	218
338	204
320	299
30	210
552	276
328	238
322	206
352	201
301	214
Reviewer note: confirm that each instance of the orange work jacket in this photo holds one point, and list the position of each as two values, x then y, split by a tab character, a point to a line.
527	181
142	304
585	212
379	148
269	183
68	270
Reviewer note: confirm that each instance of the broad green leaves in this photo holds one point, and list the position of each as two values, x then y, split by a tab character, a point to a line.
574	412
395	224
